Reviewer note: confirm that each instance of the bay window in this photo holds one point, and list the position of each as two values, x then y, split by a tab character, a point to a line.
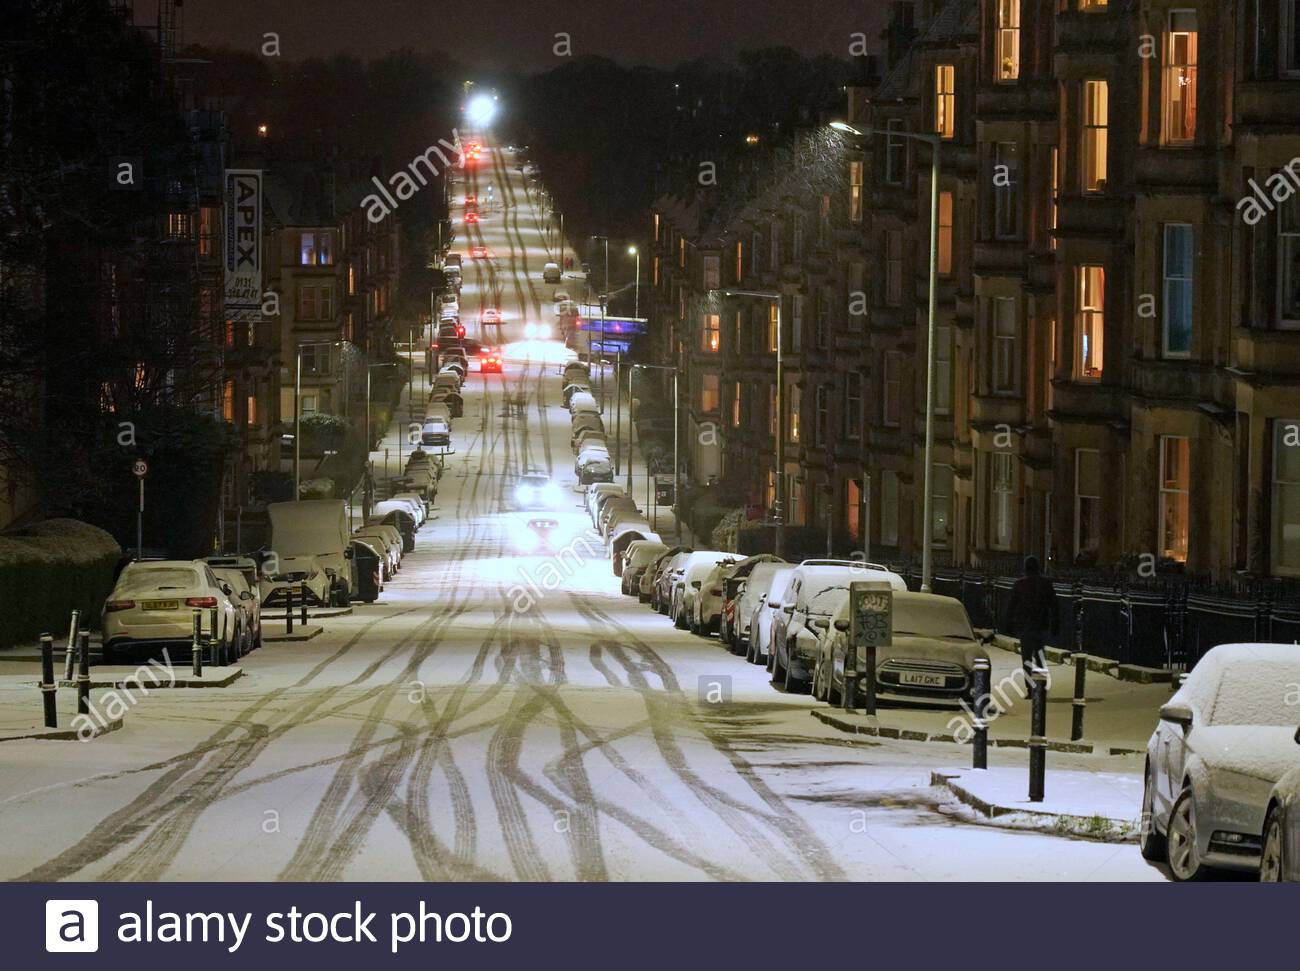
1175	487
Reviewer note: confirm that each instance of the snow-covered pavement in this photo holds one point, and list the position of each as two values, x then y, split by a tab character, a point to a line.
444	733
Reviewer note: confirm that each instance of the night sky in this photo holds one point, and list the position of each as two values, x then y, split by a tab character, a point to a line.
520	33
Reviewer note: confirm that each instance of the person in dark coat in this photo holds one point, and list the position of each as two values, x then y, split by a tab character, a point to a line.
1032	615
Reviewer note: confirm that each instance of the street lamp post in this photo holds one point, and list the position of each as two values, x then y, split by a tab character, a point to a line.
778	497
927	505
636	288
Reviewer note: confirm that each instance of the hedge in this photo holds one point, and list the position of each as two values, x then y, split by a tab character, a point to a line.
49	569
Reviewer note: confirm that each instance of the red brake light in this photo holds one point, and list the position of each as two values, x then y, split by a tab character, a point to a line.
113	605
200	601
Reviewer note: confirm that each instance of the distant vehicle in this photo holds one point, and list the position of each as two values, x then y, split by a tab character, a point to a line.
539	535
582	401
435	433
596	471
478	252
696	568
489	360
551	273
153	602
491	315
535	490
453	259
1224	741
315	528
471	217
471	200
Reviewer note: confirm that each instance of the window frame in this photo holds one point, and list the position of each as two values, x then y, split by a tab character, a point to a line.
1080	497
1004	370
1185	282
891	390
1084	315
1165	490
1094	137
1002	486
1006	40
1277	567
945	101
895	169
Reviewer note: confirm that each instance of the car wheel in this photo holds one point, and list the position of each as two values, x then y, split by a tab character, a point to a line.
769	658
679	620
793	685
107	654
1272	865
1151	843
818	687
1184	851
774	665
834	697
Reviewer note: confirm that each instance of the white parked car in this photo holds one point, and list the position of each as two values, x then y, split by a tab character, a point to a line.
248	608
766	608
685	587
816	590
299	576
931	658
757	585
640	553
152	605
1225	739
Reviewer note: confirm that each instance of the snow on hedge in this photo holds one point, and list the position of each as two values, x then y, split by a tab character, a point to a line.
58	539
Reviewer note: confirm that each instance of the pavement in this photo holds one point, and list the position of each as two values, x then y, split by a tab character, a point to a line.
507	715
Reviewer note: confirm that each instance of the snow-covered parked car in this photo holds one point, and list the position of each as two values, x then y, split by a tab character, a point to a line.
816	590
153	603
1225	739
931	658
299	576
1281	856
766	608
687	587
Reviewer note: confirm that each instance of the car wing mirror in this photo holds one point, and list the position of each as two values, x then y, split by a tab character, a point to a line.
245	595
695	584
842	626
1177	714
227	589
822	624
788	608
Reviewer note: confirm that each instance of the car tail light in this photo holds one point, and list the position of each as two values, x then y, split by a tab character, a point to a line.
200	601
114	605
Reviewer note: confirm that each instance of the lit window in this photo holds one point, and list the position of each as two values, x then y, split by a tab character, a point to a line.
710	396
945	100
1087	501
895	152
796	400
1286	497
893	390
1093	4
1001	472
250	411
656	227
711	331
1177	336
853	509
1090	320
1096	121
1008	40
316	249
1004	344
1006	190
855	192
307	249
1178	109
228	400
207	229
889	508
942	369
681	251
735	405
773	327
893	267
1175	486
945	233
740	261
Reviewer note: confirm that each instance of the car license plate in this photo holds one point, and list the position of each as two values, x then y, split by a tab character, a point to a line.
161	605
922	680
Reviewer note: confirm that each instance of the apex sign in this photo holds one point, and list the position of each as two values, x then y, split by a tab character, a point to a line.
243	249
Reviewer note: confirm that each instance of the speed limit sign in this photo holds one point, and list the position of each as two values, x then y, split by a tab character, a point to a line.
140	467
871	626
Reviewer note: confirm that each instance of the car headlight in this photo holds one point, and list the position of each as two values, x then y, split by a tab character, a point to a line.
530	330
543	330
524	493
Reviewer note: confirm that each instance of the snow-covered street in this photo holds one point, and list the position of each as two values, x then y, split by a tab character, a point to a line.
442	733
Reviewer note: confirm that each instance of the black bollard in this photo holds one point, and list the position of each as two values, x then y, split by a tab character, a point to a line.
70	655
1080	702
48	687
1038	736
980	742
196	646
304	605
850	698
218	643
83	674
288	609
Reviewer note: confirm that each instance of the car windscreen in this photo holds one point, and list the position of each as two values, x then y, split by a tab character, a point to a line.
1251	693
826	600
931	618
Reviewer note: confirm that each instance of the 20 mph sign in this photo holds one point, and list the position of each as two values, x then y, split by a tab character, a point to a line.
140	467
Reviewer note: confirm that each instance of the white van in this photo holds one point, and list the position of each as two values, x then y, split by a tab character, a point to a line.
316	528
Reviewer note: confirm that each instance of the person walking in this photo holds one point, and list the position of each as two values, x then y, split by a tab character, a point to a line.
1032	615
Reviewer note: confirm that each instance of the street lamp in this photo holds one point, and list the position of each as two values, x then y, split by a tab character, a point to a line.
927	505
633	251
604	295
297	412
677	465
778	514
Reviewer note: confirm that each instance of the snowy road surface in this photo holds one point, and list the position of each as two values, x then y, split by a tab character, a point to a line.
442	734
